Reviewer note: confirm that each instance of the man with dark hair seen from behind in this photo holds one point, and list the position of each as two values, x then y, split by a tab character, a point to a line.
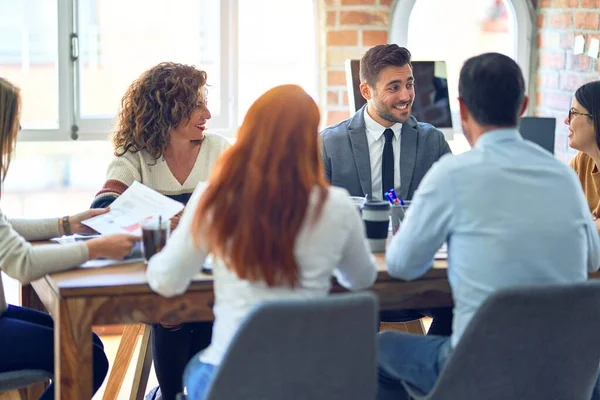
383	146
491	204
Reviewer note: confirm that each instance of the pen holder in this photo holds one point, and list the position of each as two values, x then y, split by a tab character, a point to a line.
396	215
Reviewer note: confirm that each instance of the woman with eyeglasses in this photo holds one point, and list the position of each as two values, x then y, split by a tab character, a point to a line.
27	336
584	135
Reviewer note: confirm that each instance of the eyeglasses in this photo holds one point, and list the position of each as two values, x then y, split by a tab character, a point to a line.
573	111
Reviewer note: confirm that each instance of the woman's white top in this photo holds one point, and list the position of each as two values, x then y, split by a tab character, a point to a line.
332	245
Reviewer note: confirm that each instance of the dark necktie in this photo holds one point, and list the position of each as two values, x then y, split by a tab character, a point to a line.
387	163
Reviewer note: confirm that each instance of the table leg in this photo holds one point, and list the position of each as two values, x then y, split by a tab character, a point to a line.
123	358
30	299
73	350
142	369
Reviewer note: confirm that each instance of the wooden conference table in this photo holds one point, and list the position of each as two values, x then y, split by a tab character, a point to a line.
119	294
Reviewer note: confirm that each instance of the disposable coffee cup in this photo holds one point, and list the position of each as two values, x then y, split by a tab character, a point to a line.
376	216
155	233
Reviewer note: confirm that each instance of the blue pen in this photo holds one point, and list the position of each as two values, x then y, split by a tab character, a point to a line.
389	197
392	192
402	202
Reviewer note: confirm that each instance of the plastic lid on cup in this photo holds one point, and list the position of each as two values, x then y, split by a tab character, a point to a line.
376	205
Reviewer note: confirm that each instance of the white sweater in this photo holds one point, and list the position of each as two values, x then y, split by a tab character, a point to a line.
155	174
24	262
335	244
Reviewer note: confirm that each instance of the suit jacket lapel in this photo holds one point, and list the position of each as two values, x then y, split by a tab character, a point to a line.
408	155
360	148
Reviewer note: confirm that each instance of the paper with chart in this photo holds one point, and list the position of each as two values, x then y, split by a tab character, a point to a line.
137	204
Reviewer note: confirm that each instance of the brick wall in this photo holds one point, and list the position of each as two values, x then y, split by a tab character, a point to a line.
348	29
560	72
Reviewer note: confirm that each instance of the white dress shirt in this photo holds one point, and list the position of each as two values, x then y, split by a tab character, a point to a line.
512	215
333	244
376	141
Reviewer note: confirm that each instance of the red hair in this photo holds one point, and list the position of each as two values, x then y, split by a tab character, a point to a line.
258	194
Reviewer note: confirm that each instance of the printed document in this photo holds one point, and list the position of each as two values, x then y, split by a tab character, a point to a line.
137	204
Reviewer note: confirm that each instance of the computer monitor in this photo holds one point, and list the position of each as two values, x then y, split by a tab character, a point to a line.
539	130
432	102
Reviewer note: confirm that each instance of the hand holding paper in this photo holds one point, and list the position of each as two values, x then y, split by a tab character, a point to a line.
136	204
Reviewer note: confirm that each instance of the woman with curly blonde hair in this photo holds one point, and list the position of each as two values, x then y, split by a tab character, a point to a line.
161	142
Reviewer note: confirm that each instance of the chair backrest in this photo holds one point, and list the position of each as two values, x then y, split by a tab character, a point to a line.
528	343
14	380
303	349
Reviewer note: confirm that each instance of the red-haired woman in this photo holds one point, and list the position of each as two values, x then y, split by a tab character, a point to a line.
274	225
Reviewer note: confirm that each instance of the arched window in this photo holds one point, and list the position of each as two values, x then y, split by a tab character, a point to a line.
457	30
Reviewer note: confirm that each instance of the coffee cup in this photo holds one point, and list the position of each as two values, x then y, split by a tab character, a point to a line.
155	233
376	216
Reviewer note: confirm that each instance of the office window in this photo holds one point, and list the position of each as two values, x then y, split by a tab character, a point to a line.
29	57
277	45
74	59
118	40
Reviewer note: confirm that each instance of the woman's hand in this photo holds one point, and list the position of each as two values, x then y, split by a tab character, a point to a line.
175	220
78	227
115	247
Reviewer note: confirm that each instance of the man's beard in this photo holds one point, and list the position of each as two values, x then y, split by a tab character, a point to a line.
384	112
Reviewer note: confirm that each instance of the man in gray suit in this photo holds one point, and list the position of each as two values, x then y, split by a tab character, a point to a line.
382	145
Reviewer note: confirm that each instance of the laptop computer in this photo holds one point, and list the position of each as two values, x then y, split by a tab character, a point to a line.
539	130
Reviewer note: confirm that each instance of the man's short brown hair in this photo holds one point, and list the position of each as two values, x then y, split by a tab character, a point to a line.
379	57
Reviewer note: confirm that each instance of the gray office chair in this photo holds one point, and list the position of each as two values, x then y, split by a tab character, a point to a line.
16	380
534	343
303	349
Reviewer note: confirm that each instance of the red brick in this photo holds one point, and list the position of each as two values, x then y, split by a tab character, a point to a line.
342	38
567	40
331	17
547	79
587	20
385	2
345	97
372	38
333	117
333	98
580	62
566	3
379	18
332	3
357	2
546	4
560	20
571	82
336	78
589	4
542	21
557	101
555	60
549	40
